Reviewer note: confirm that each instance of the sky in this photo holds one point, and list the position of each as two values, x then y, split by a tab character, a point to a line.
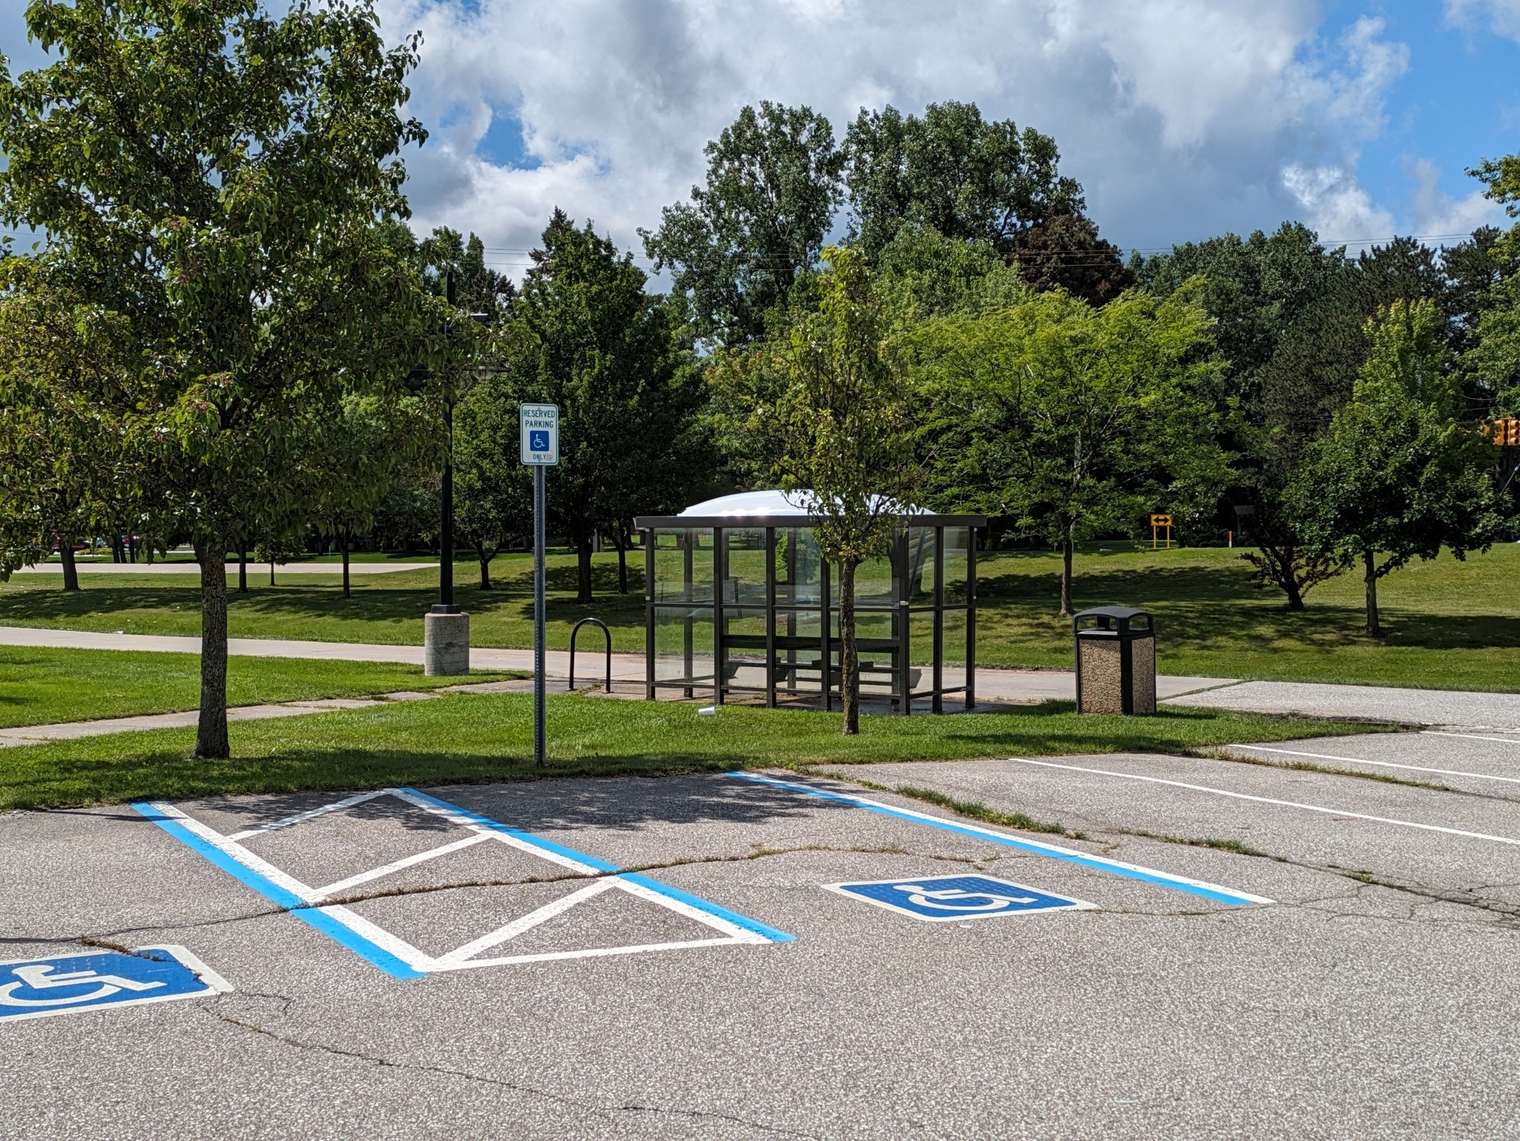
1181	118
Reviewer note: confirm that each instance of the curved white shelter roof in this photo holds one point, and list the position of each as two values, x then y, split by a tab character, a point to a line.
776	508
772	504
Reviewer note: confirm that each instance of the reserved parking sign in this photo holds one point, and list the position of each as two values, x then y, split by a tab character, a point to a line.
538	425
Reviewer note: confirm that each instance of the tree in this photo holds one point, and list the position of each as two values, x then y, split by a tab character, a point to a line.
358	452
954	172
207	181
583	334
1064	251
736	251
842	416
493	500
1493	357
1077	421
51	458
1254	288
1397	477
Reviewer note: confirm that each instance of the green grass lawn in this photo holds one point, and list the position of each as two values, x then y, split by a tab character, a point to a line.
1448	624
41	686
464	738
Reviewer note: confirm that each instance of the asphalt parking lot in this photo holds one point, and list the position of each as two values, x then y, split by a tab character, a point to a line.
1212	947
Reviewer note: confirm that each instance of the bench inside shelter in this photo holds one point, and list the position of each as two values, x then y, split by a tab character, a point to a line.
739	602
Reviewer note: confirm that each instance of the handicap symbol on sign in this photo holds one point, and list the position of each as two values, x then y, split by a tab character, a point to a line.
538	440
30	988
948	898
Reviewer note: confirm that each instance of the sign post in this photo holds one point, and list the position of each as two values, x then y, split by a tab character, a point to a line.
538	426
1157	523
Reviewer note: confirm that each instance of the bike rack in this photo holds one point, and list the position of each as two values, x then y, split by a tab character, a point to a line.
607	632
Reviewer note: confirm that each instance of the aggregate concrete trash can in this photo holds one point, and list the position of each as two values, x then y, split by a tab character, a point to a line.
445	644
1116	661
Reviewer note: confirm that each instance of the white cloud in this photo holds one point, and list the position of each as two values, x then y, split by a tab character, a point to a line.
1180	117
1176	115
1501	16
1439	215
1336	205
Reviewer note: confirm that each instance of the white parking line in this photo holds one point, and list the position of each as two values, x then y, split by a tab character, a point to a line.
1469	736
404	862
1382	764
1270	800
299	817
526	922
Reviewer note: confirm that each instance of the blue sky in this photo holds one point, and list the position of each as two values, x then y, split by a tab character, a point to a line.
1182	118
1458	102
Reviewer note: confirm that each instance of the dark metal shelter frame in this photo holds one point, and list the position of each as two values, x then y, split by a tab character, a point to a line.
735	603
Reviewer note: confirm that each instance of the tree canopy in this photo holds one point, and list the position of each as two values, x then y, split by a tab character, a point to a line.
207	182
758	224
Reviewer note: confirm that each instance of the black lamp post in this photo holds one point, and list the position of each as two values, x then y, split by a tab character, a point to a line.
445	603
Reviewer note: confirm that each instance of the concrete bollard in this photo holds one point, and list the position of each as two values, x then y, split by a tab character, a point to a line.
445	645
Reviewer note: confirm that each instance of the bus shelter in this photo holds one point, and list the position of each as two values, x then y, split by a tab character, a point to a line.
738	601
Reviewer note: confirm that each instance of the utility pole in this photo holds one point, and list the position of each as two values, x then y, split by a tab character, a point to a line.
445	603
446	629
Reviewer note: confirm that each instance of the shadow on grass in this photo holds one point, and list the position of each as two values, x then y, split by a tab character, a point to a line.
294	772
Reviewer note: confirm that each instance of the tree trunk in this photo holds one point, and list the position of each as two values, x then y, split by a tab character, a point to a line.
343	538
849	657
211	733
1370	563
583	570
66	557
1066	550
621	542
242	568
1295	596
271	570
485	564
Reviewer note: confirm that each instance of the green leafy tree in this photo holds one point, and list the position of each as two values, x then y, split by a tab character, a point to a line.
51	458
358	452
954	172
1075	421
840	414
207	179
1492	359
1398	476
583	334
758	224
493	499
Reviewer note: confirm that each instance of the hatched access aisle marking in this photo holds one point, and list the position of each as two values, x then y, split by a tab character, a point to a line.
401	959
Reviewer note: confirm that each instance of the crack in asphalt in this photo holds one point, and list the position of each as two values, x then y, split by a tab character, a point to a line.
1508	913
500	1083
760	852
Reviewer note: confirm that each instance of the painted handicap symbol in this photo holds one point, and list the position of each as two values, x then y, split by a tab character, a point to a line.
948	898
958	899
32	988
40	977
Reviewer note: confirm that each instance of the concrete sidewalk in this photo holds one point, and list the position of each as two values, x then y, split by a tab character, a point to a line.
1448	707
997	686
181	566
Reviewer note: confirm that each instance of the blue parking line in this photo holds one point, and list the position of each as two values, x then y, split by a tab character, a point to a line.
280	897
1113	867
742	921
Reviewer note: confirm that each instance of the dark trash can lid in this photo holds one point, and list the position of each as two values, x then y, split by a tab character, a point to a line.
1109	617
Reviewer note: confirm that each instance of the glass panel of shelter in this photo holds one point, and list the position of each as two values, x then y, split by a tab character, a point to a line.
779	572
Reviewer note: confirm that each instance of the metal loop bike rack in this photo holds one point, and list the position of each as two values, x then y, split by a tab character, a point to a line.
605	631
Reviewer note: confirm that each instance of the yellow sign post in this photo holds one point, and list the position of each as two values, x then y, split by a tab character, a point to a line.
1157	523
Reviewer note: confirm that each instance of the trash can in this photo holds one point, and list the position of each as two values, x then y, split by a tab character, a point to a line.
1116	661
